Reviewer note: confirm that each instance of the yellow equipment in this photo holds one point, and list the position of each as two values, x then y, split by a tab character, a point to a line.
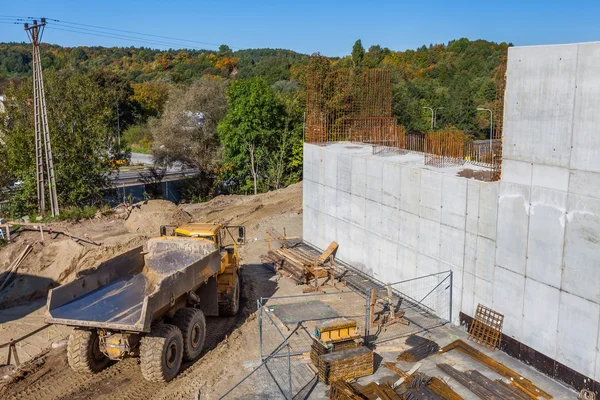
228	277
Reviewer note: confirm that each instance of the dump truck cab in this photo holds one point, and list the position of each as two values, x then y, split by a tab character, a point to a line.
226	239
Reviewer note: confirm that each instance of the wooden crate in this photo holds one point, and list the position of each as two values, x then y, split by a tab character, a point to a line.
346	364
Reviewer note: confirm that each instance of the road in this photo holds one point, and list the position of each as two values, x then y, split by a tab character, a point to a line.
131	175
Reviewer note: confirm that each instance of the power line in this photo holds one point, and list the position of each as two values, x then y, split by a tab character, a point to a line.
128	38
135	33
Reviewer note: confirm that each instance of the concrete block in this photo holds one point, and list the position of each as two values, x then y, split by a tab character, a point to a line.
373	216
586	141
513	212
374	179
468	294
581	274
486	254
454	201
538	113
472	206
452	245
548	177
546	235
540	317
577	333
429	238
488	210
390	223
470	260
344	172
411	190
431	195
519	172
509	295
408	234
330	169
407	262
343	209
584	183
358	185
392	185
358	210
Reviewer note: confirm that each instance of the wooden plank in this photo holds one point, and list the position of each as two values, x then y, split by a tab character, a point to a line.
329	251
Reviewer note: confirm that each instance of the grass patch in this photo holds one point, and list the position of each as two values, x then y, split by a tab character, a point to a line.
136	148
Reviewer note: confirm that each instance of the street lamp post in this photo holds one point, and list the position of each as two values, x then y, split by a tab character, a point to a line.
432	115
491	125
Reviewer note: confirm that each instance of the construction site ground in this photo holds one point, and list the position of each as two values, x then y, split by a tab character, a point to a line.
232	344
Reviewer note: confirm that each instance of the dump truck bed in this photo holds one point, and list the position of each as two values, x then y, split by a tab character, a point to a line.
127	292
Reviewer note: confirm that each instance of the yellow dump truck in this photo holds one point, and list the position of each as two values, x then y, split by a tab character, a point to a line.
151	301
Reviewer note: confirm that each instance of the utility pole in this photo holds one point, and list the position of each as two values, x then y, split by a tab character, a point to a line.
432	115
42	134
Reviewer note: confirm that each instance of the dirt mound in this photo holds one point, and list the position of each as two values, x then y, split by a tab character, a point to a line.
147	218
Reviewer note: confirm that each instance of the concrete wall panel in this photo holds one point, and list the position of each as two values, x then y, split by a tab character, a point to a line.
513	211
472	206
584	183
452	239
390	223
330	170
509	295
548	177
538	116
411	190
519	172
541	310
374	179
468	294
488	210
358	210
358	184
329	201
485	256
586	141
343	209
577	333
431	195
408	234
470	258
454	202
581	273
483	294
373	217
547	218
344	172
429	238
392	185
407	261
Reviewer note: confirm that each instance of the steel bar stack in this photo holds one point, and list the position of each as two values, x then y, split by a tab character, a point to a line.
486	328
421	348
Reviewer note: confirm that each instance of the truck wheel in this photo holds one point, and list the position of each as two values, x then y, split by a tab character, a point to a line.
83	352
231	305
161	352
192	325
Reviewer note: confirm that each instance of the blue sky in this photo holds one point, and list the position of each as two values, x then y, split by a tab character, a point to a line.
328	27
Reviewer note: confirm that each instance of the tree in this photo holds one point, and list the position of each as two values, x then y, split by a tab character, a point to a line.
249	132
187	131
358	53
151	96
81	135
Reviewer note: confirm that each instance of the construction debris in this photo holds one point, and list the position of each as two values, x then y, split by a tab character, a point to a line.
381	391
521	383
303	264
332	336
346	364
342	390
421	349
486	328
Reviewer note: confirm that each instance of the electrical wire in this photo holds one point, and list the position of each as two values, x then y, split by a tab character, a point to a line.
119	37
133	32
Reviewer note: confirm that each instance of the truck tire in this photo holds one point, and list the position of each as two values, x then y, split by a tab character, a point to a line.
161	352
83	352
192	324
231	306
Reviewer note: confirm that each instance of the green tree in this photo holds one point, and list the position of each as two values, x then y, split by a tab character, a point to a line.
358	53
249	132
81	136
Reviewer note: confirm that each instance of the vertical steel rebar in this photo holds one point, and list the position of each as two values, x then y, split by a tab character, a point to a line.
260	326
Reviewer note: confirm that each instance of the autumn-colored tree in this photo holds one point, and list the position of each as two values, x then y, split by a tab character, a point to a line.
152	97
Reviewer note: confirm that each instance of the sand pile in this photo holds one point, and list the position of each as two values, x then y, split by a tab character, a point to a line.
147	218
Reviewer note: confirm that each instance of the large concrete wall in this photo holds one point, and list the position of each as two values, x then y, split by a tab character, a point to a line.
527	246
